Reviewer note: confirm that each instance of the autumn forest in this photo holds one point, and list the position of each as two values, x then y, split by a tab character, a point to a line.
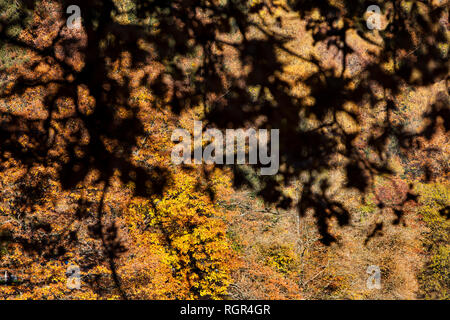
353	96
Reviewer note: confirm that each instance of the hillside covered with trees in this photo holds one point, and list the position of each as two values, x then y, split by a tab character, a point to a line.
88	109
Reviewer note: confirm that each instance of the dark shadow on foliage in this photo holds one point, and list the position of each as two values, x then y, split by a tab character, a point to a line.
192	28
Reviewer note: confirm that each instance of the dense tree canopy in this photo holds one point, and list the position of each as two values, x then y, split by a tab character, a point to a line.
86	116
